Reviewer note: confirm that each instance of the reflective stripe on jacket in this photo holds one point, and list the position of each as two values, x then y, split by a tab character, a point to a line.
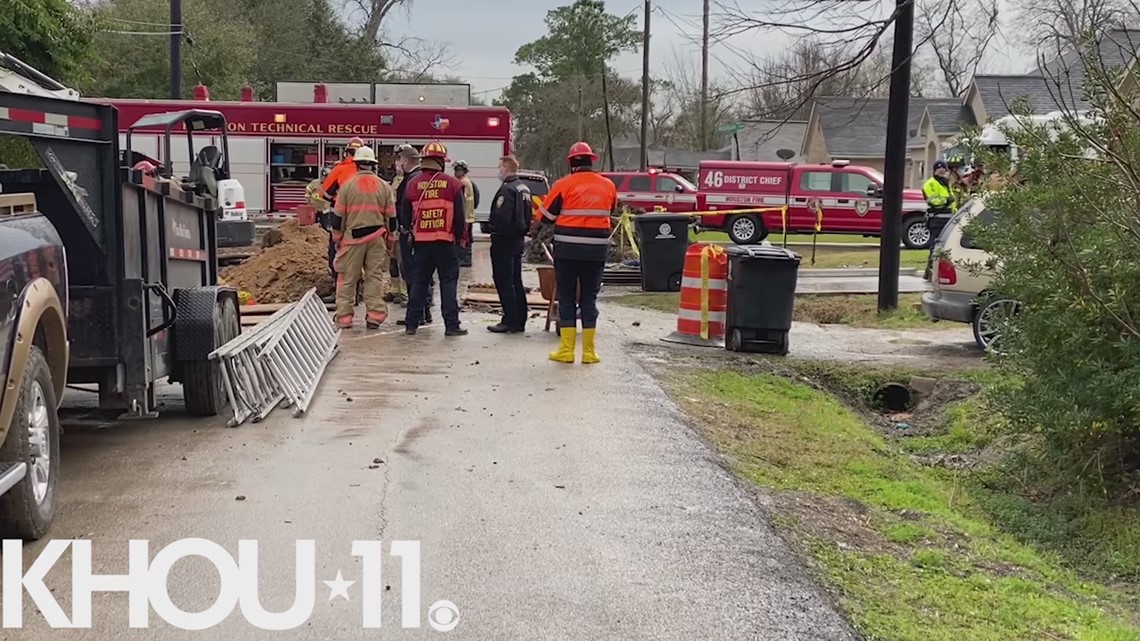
468	198
580	206
363	207
939	198
436	201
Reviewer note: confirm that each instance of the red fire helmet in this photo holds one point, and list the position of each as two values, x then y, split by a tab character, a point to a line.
581	149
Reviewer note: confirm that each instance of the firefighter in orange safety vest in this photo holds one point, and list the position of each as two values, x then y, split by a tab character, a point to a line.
579	206
434	203
359	228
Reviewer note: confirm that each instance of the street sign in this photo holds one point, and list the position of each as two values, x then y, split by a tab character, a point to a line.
731	128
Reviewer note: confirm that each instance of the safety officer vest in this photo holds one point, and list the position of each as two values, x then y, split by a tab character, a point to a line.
433	195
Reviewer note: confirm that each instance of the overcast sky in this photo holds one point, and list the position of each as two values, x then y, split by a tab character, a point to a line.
484	35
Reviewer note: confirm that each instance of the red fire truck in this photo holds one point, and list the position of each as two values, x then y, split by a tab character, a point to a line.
276	149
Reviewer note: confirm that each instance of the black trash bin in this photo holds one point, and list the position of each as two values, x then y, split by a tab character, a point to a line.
761	298
663	240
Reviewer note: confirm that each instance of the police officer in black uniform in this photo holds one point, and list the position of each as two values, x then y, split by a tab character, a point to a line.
508	224
409	159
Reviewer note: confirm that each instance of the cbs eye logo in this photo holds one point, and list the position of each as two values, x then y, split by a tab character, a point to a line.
443	616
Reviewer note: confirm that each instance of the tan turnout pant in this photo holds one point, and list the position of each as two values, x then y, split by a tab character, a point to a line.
367	261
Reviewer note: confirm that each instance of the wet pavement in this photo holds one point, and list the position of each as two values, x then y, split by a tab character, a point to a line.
551	501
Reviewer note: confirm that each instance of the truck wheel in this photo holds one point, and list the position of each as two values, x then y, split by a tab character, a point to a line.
202	386
27	510
915	233
747	230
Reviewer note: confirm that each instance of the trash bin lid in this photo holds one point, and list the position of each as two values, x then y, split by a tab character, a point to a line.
661	217
766	251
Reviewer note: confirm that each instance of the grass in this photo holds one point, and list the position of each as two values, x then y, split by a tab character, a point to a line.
914	552
776	238
866	256
856	310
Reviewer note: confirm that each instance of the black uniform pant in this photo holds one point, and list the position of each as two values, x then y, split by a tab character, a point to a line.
408	273
466	256
506	271
935	224
429	258
571	277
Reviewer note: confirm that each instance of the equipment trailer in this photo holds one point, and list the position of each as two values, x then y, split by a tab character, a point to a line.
141	251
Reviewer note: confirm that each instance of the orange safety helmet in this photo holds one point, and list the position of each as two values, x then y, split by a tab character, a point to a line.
434	149
579	149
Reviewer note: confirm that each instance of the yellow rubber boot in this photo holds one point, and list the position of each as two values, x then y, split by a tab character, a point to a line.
565	351
589	355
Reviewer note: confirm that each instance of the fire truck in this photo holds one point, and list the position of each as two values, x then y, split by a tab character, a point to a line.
276	149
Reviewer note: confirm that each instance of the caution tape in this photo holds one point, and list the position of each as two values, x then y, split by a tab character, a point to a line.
717	253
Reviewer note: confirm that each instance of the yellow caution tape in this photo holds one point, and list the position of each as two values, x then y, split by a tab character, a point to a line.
717	252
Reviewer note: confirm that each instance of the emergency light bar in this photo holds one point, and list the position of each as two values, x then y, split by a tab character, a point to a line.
840	163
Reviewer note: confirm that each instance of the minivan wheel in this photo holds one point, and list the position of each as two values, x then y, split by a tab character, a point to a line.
915	233
747	230
986	332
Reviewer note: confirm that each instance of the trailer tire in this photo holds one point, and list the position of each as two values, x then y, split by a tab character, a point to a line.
27	510
202	387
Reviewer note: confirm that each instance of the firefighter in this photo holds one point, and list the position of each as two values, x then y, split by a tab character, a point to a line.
408	165
509	222
340	174
940	206
315	195
434	203
359	225
471	198
579	206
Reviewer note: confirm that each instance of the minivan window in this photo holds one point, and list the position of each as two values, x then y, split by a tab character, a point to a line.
639	183
984	217
816	181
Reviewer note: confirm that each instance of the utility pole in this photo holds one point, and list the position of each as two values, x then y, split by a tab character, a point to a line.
581	122
175	49
895	156
705	80
606	107
645	92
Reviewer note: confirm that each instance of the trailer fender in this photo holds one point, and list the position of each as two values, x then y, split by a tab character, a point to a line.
39	308
194	326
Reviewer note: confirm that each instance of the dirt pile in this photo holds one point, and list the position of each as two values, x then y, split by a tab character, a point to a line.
292	260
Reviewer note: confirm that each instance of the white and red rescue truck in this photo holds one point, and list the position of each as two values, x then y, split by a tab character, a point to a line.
276	149
843	198
654	190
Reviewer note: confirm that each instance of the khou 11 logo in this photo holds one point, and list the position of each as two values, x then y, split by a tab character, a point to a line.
147	586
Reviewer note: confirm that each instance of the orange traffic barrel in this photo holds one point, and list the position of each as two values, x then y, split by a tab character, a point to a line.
704	297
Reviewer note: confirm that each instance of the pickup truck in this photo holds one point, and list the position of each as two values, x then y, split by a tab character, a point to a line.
34	357
654	190
842	198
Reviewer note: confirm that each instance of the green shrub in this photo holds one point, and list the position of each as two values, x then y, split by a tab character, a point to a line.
1067	234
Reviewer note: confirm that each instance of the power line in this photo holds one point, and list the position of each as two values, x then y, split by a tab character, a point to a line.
141	33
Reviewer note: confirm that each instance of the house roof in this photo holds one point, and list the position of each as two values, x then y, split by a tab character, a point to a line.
628	158
1058	84
761	139
854	127
1066	74
949	118
1000	93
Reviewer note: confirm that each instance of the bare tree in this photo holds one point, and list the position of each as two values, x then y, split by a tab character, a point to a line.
957	36
678	106
371	14
1059	25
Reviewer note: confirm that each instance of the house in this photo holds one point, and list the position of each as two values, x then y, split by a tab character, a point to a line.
766	140
854	129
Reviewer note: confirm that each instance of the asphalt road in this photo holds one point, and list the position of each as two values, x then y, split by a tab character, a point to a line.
550	501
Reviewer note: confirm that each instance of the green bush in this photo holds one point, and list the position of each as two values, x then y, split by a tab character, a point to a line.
1067	236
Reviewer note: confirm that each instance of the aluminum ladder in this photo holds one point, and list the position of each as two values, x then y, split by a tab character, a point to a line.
280	361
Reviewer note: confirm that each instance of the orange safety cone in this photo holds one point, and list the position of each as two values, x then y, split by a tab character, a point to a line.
704	297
